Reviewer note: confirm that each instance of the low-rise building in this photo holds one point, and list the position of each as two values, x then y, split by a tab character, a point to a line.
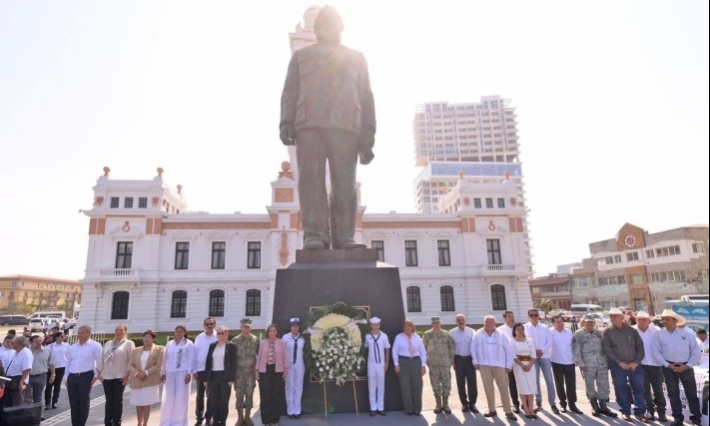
555	287
154	264
21	292
643	270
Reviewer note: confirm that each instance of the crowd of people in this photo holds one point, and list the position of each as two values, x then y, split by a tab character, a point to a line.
511	357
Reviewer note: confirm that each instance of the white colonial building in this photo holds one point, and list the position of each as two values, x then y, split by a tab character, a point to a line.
153	264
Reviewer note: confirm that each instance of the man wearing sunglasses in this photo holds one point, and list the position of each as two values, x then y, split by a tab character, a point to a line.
542	337
202	346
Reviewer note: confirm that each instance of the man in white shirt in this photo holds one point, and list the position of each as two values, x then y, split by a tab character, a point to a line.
6	351
463	364
562	360
202	346
59	349
493	358
378	355
84	364
507	330
702	338
296	369
652	370
19	369
542	338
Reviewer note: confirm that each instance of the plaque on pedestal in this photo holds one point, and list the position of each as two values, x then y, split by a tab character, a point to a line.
356	278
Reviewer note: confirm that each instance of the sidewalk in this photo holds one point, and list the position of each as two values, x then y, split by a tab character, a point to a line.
428	418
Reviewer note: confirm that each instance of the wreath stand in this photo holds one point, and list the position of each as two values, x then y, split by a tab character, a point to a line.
325	399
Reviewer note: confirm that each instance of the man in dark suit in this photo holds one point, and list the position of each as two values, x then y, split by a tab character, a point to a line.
328	113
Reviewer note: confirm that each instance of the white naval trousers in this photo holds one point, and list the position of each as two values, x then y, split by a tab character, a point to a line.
294	388
376	386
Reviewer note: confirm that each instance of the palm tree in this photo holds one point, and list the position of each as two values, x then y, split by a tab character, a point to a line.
545	304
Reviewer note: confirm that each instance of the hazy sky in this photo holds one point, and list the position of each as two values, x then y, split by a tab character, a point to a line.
612	100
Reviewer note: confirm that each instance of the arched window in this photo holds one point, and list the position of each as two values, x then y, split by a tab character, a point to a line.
178	307
498	297
447	299
119	305
414	299
216	308
253	303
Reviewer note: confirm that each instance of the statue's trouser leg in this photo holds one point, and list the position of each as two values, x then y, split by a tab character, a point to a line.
342	159
311	153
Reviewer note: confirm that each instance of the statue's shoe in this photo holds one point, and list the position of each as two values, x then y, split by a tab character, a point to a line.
352	245
314	245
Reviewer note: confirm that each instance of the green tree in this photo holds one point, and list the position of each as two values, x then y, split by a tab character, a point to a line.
545	304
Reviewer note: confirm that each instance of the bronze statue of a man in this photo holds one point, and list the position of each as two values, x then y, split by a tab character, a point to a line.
328	113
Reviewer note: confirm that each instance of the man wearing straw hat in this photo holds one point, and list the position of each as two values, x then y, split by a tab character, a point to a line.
652	371
624	348
678	352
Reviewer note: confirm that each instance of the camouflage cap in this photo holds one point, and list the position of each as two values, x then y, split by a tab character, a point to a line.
589	317
245	322
435	319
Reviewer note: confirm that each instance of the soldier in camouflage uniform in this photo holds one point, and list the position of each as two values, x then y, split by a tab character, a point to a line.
247	348
588	354
440	358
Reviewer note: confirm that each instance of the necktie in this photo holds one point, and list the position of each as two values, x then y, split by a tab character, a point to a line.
376	347
295	346
412	351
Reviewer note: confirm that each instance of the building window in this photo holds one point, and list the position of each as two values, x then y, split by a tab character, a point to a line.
114	202
178	307
621	279
254	255
632	257
379	247
143	202
216	308
493	248
698	248
501	203
124	255
253	303
535	290
128	202
617	258
182	255
636	279
489	203
447	299
477	203
498	297
218	254
119	305
444	253
414	299
410	253
650	254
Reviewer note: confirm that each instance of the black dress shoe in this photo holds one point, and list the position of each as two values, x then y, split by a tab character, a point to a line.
382	413
662	417
297	416
291	416
464	408
417	413
373	413
54	405
490	414
410	414
46	407
474	410
538	407
516	409
555	410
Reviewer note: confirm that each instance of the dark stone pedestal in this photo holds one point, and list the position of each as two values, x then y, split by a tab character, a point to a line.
354	277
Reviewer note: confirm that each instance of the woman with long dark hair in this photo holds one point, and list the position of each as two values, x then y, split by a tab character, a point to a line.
176	374
272	370
523	369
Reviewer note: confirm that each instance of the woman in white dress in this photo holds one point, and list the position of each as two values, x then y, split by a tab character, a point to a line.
176	374
523	363
145	364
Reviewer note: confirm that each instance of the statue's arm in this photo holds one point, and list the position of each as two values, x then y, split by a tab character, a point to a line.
367	100
289	97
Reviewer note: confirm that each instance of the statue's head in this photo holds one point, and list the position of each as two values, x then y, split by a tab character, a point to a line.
328	25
